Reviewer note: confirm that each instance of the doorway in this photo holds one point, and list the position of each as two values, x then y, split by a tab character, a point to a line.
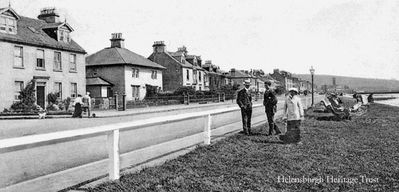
41	95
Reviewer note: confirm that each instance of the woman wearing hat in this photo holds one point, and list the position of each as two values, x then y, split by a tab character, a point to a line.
293	113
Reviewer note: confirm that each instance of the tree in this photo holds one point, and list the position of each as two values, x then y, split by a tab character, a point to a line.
27	98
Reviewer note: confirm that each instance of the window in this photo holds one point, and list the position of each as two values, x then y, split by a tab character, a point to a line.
3	24
135	92
61	35
64	36
74	90
58	89
135	73
188	75
18	87
40	59
72	62
18	57
199	76
154	75
68	38
57	61
8	25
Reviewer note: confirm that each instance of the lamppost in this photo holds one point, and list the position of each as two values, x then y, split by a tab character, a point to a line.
312	74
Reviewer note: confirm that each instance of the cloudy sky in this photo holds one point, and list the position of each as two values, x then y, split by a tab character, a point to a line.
357	38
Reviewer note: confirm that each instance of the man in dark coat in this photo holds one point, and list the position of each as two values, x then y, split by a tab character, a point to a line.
270	103
244	101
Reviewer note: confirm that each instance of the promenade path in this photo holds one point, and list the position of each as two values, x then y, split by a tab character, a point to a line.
17	128
54	157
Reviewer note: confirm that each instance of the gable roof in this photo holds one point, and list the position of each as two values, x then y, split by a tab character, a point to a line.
30	32
116	55
9	9
97	81
58	25
177	57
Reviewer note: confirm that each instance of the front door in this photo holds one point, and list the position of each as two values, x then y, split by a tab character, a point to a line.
40	96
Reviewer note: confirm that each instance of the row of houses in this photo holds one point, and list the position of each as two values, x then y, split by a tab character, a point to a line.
287	80
42	50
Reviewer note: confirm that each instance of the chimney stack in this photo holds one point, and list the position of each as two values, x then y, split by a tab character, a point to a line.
182	49
117	40
159	47
199	61
233	72
49	15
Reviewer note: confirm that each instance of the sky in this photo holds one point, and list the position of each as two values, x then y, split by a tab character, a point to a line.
358	38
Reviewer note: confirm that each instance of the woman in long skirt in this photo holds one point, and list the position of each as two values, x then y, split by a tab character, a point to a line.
78	107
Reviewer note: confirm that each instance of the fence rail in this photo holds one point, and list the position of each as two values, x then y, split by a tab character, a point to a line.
117	103
112	132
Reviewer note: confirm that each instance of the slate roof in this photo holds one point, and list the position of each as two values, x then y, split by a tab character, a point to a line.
177	56
97	81
116	56
37	37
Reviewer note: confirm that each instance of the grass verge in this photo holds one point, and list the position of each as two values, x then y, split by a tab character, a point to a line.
347	151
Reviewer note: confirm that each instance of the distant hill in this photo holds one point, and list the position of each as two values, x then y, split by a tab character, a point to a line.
356	83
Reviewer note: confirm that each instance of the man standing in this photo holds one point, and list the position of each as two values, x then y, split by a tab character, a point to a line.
293	113
270	103
244	101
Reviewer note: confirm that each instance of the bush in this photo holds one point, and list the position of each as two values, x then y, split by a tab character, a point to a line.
52	98
52	107
27	99
66	102
151	91
279	90
184	91
229	89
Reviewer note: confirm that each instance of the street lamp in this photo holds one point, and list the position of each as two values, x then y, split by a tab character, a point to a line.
312	73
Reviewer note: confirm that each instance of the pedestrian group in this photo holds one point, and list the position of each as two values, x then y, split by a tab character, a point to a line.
293	112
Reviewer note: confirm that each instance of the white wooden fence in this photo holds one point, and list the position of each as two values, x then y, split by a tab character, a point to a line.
113	133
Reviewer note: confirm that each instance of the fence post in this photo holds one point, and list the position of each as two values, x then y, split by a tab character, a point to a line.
116	102
113	154
207	129
124	102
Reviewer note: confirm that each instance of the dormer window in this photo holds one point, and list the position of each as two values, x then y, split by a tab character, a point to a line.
63	35
8	25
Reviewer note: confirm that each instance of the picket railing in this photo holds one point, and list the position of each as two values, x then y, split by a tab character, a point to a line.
112	132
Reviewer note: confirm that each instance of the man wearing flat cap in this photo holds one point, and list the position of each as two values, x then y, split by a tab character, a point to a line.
244	101
270	103
293	113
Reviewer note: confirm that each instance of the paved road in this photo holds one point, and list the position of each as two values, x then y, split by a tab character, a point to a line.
32	161
17	128
29	162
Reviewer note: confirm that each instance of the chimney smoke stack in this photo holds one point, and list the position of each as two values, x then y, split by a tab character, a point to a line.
117	40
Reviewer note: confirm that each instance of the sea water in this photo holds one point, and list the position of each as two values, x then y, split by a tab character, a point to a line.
393	102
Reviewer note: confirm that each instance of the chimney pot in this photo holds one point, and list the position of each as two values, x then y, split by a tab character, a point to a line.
117	40
158	46
49	15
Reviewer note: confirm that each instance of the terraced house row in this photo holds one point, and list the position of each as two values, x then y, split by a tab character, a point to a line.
43	50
